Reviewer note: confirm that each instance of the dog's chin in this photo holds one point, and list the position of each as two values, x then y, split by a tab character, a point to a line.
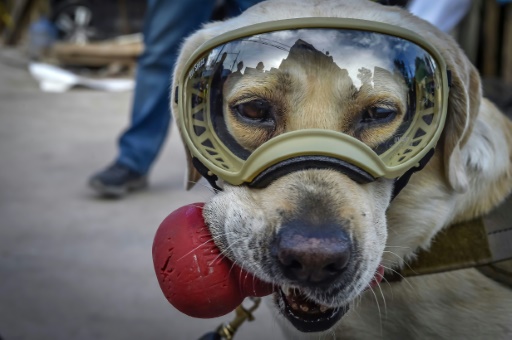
309	316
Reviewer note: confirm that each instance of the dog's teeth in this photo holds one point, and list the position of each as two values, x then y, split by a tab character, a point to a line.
304	308
323	308
286	289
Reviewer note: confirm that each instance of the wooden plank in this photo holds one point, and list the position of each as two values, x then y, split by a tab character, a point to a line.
79	60
98	54
468	31
506	59
19	11
490	43
104	50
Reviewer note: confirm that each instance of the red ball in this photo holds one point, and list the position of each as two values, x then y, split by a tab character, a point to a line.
193	276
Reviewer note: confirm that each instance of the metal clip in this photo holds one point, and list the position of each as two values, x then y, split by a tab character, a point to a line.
227	331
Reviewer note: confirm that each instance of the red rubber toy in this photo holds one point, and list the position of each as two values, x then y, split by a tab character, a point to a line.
192	275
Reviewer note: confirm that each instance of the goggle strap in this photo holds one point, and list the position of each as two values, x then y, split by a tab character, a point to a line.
402	181
203	170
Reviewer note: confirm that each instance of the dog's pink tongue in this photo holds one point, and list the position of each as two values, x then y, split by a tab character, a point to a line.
193	275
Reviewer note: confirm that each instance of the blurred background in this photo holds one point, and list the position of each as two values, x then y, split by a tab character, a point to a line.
77	266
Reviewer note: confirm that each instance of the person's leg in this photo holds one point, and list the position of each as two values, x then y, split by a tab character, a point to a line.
167	23
235	7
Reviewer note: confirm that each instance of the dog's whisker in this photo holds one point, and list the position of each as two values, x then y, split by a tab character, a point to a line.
388	283
253	280
200	245
393	253
355	309
403	278
193	250
232	266
357	301
391	263
394	232
383	297
402	261
403	247
242	266
212	189
378	308
240	275
223	252
235	262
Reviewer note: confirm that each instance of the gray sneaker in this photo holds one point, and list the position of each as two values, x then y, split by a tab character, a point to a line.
117	180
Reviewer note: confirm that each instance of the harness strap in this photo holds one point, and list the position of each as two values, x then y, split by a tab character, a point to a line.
203	170
498	224
480	242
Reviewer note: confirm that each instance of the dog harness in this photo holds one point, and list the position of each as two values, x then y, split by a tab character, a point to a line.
484	243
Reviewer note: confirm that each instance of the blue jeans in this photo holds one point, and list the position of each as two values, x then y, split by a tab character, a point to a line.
166	24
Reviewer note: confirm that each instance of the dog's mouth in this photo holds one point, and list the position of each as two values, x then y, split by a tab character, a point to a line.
306	315
309	316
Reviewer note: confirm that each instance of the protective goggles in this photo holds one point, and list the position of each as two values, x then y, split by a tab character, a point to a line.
365	97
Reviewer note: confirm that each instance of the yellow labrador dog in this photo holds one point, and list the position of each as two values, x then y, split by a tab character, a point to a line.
308	123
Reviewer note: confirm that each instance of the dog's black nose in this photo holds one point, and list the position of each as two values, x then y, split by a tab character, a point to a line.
312	254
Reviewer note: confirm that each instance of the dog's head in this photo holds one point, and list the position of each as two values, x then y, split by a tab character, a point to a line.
317	130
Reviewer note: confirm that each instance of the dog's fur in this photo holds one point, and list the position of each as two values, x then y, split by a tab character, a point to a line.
468	176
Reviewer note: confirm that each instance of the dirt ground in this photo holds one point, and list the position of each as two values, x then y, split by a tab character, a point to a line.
73	266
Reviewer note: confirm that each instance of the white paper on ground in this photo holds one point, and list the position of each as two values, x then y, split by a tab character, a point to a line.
55	79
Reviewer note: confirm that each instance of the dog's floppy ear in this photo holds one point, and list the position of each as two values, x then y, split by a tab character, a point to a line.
463	106
192	175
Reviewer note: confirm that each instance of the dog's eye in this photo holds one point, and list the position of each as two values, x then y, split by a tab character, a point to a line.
258	110
378	115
